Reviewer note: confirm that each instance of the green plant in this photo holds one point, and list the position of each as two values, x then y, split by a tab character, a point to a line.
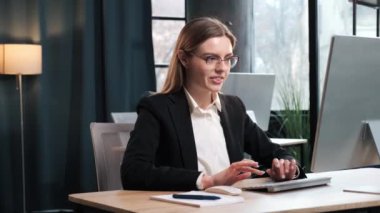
295	120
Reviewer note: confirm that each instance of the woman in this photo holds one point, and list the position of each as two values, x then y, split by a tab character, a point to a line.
190	136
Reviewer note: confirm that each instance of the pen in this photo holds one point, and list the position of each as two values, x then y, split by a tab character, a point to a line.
196	197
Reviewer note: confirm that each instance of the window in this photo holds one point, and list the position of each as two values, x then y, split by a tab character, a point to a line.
168	18
335	18
281	46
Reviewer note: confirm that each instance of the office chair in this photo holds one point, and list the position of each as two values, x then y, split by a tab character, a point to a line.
109	141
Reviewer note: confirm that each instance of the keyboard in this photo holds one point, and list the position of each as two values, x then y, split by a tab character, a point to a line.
269	185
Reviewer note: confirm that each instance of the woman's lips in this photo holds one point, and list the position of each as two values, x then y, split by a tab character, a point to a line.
217	79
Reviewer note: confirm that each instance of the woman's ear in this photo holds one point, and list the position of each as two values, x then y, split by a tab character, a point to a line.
182	56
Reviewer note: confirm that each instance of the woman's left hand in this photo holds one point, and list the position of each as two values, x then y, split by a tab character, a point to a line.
282	169
236	171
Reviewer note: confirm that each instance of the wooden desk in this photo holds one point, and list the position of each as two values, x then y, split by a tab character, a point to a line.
323	198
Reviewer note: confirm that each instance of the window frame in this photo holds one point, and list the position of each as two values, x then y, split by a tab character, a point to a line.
168	18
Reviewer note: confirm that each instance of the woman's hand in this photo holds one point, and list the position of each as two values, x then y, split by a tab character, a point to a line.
282	169
236	171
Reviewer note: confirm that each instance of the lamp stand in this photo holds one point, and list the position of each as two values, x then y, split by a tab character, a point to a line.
19	78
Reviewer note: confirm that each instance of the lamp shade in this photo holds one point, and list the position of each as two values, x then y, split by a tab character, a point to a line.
20	59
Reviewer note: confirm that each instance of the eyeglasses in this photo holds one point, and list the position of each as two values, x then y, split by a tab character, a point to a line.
213	60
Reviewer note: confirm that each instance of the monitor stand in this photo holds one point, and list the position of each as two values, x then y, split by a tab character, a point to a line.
370	132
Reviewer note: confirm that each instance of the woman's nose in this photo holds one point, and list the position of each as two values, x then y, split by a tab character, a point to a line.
222	66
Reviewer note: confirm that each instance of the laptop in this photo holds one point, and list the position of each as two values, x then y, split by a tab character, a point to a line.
255	90
124	117
267	184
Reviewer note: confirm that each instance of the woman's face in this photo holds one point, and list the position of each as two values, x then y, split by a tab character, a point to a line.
205	72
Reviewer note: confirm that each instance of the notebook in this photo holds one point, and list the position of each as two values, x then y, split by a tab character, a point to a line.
224	199
267	184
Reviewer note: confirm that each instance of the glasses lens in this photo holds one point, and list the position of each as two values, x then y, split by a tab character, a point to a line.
233	61
211	60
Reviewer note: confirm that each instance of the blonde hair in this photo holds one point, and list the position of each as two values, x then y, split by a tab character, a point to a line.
193	34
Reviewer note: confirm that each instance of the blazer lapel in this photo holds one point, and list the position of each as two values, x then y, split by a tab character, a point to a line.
180	115
233	148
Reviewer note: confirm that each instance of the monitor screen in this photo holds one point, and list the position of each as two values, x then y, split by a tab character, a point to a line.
350	99
256	92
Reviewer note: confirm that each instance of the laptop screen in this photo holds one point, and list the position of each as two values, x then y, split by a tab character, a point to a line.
255	90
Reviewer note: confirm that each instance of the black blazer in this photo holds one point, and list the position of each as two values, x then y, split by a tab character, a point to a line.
161	152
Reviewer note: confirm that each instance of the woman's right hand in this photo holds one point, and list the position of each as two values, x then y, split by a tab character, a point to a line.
236	171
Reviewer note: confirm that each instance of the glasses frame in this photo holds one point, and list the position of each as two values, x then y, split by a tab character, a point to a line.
219	59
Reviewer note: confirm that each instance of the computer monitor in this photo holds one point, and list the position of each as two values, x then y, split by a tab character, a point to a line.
350	99
256	92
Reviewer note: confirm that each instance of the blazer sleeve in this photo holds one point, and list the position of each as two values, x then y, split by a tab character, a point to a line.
260	147
143	167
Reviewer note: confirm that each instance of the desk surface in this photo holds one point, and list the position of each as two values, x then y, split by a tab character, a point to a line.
288	141
322	198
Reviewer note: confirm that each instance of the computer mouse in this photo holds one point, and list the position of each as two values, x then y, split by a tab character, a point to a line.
226	190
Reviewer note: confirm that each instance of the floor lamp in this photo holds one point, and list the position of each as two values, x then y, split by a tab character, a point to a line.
19	60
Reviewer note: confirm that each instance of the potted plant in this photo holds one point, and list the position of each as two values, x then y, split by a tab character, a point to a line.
294	118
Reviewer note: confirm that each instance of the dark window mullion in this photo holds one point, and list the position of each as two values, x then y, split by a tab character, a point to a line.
161	65
168	18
